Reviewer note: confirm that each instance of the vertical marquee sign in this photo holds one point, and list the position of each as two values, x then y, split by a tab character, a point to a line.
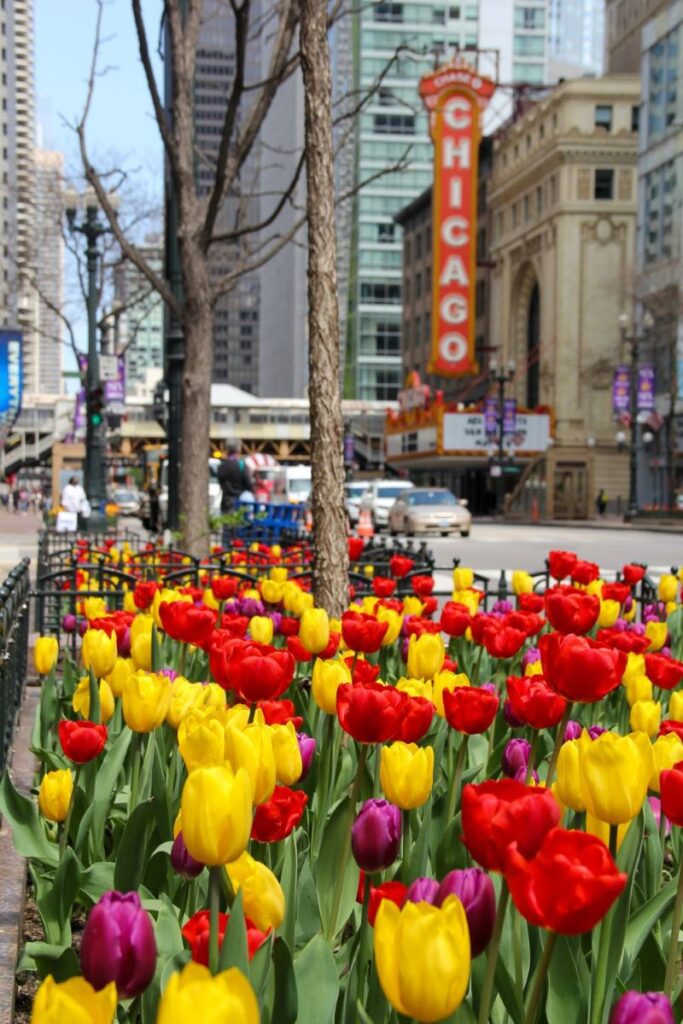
454	95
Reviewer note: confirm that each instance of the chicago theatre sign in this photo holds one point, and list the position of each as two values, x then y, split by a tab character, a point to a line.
455	96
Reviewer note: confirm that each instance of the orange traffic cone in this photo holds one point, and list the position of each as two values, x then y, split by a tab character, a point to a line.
364	528
308	522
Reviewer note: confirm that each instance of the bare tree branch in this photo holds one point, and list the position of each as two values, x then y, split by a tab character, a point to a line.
160	113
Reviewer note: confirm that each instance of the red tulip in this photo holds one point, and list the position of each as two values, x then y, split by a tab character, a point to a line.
422	585
355	546
479	623
279	712
671	793
278	817
585	572
670	726
616	592
570	610
82	741
394	891
529	622
503	642
236	625
579	668
623	640
196	932
400	565
144	592
118	623
224	587
363	671
363	633
470	709
534	703
429	605
495	814
297	650
416	719
182	621
633	573
664	672
370	712
288	626
561	563
259	672
530	602
382	586
568	886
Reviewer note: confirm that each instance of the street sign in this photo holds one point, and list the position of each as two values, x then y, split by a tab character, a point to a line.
109	368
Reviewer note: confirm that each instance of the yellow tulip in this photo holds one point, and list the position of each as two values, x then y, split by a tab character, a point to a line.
522	582
595	587
635	666
302	601
216	809
252	749
417	687
422	956
141	642
327	677
146	698
614	772
94	607
369	571
54	795
395	620
638	688
74	1001
412	605
141	626
609	613
81	699
567	786
470	598
211	695
676	706
183	696
210	601
45	654
314	631
123	667
272	591
288	764
666	752
667	588
534	668
201	741
629	616
262	897
426	655
646	716
656	634
237	716
446	681
165	594
129	604
598	828
463	579
261	629
194	994
406	774
278	573
99	652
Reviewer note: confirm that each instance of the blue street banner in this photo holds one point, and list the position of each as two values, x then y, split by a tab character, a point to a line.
510	416
11	374
646	388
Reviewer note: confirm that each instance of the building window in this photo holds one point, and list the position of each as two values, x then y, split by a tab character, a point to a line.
380	293
388	339
386	232
663	84
603	117
660	194
533	74
539	201
530	17
553	189
388	12
471	13
386	98
439	15
454	13
515	214
529	46
500	223
418	245
418	285
527	209
635	118
394	124
604	184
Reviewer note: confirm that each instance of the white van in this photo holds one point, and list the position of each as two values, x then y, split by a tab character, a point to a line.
292	484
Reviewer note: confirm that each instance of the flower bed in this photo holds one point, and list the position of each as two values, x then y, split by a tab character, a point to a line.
414	813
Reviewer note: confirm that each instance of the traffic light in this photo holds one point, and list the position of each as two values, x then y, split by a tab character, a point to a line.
95	406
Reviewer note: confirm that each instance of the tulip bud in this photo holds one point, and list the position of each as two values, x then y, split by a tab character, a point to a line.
510	717
99	652
118	945
69	623
642	1008
422	890
406	773
45	654
573	730
314	632
183	862
595	731
520	774
194	994
73	999
54	795
515	756
530	656
307	747
376	835
474	889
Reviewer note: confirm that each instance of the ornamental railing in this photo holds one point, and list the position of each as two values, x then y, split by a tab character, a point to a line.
14	627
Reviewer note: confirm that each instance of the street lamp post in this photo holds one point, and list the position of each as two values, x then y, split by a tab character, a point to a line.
501	376
95	442
632	338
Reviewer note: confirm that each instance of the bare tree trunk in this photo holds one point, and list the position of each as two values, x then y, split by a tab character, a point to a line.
196	428
324	388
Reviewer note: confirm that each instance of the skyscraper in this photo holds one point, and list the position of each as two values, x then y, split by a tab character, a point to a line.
141	324
47	265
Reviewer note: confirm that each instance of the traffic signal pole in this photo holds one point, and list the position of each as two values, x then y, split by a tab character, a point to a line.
95	442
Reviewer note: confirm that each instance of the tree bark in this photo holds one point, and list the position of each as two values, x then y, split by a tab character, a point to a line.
196	432
324	389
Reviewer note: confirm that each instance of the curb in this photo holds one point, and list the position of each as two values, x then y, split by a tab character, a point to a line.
13	891
592	524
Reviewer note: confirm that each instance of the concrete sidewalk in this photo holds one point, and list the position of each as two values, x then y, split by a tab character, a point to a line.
606	523
18	538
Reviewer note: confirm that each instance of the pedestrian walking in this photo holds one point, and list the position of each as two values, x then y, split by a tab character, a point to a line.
235	480
75	501
601	502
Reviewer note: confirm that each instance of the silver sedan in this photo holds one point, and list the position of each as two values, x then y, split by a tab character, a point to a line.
423	509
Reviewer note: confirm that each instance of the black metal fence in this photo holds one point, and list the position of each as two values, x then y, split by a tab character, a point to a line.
14	629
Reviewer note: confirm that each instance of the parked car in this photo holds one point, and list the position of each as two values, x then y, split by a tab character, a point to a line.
430	508
378	498
128	500
354	491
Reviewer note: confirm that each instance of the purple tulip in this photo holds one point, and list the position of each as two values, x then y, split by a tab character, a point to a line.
502	608
573	730
251	606
69	623
520	774
515	756
422	890
530	657
638	628
182	860
170	673
595	731
477	895
307	747
82	627
118	945
642	1008
123	650
376	835
656	807
276	618
489	687
510	717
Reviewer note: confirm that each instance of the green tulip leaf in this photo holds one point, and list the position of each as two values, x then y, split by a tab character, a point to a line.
131	856
288	881
259	967
286	999
59	961
107	776
643	921
308	921
56	904
96	880
316	975
28	831
330	863
234	949
167	930
568	982
49	712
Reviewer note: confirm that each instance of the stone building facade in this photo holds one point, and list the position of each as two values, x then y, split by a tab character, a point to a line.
563	198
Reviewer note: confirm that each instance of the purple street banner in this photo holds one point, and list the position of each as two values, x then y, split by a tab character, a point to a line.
115	390
349	448
621	390
491	417
510	416
646	388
